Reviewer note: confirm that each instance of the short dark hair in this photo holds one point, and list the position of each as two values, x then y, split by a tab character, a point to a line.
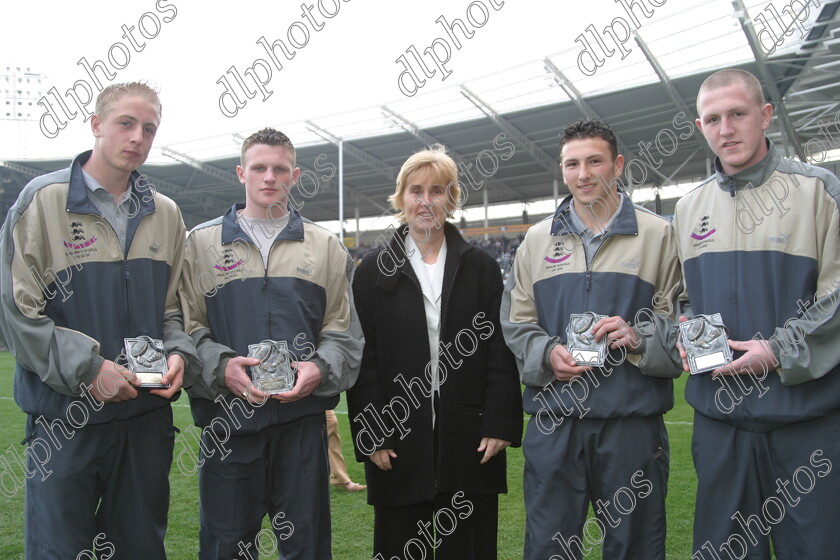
270	137
589	128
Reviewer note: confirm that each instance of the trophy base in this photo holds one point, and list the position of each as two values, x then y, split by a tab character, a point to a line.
708	362
587	357
151	381
273	387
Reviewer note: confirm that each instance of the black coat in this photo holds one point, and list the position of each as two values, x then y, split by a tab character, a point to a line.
479	396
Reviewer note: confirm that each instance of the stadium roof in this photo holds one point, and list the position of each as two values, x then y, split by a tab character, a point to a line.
647	98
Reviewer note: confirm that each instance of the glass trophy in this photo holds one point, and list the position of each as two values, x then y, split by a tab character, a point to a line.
274	374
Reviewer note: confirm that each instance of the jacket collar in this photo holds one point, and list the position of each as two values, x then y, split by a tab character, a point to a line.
77	195
623	224
749	178
393	261
232	231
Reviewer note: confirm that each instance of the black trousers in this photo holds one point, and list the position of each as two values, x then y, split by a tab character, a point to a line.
618	465
452	527
107	489
282	472
756	486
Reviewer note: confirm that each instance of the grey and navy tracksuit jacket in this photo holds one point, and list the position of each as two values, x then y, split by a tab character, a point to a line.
231	301
634	274
70	294
762	248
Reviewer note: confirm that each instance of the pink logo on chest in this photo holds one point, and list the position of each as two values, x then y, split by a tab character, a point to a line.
555	261
87	243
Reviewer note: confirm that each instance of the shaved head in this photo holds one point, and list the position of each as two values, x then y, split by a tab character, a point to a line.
731	76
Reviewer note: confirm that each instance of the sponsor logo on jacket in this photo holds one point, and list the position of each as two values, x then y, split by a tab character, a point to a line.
703	233
703	230
78	240
632	264
229	261
782	239
558	253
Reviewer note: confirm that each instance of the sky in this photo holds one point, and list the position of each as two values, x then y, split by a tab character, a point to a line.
346	57
350	63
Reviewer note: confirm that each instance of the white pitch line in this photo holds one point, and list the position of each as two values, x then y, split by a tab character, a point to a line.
186	405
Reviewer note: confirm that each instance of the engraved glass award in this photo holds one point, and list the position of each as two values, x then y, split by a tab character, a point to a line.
705	342
580	342
147	360
274	373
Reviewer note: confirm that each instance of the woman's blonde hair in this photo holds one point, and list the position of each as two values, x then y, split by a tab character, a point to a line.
439	165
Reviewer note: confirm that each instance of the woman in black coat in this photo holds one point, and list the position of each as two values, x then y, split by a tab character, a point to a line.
437	400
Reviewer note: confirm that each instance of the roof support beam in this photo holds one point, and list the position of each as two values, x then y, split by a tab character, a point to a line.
672	90
361	155
22	169
683	164
767	76
817	71
208	204
588	111
529	145
349	188
206	168
427	139
573	93
227	176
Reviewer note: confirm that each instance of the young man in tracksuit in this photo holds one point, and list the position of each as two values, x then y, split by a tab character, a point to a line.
262	272
759	244
596	434
92	255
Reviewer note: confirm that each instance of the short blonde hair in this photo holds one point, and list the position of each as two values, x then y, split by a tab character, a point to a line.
729	76
111	94
435	161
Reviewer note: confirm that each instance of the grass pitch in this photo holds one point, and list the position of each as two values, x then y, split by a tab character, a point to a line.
352	518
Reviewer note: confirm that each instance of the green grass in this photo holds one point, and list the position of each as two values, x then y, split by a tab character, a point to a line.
352	517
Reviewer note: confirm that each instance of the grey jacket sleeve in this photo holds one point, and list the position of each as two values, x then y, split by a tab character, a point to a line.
175	339
204	377
63	358
341	341
657	326
518	316
806	346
